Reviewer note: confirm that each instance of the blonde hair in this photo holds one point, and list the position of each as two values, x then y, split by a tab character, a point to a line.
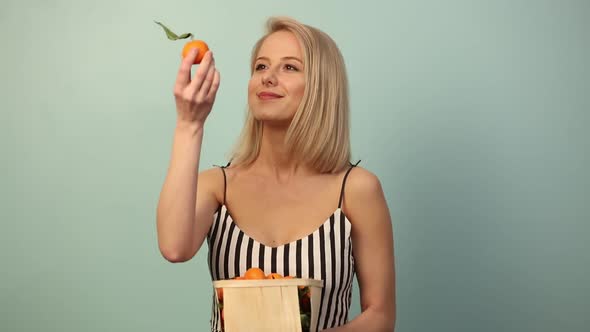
319	134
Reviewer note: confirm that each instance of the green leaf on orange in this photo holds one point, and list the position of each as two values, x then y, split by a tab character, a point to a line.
171	35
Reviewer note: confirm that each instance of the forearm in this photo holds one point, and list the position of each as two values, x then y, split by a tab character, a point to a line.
370	320
176	206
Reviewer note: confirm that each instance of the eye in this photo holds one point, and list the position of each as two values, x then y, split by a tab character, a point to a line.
260	66
291	68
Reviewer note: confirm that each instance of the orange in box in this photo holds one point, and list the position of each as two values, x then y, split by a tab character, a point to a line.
278	305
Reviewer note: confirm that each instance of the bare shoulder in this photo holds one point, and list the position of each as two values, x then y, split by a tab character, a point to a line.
362	184
363	194
211	175
211	182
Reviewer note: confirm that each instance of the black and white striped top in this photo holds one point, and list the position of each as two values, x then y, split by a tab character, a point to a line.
325	254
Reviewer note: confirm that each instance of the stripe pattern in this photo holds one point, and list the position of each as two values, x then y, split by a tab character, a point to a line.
325	254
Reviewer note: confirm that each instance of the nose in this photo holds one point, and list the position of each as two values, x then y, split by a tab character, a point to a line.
269	78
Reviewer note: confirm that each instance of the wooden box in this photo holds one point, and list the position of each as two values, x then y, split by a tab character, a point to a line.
267	305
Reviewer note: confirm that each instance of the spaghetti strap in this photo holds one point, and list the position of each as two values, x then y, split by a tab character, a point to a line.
344	182
224	180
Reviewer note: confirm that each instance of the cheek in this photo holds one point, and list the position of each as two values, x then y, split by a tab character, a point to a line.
251	85
251	89
300	90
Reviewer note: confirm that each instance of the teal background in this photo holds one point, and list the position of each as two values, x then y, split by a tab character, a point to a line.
474	115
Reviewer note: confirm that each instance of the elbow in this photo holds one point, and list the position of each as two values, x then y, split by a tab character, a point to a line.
391	327
391	324
175	250
388	324
384	319
174	256
389	321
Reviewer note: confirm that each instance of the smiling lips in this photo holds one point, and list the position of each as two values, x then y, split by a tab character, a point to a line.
266	95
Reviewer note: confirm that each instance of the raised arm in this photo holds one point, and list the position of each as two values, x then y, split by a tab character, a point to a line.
183	199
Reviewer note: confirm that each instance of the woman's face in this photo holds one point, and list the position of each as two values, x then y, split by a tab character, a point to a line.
277	84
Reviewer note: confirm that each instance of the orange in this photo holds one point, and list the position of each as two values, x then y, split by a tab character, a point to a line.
254	273
274	276
220	294
198	44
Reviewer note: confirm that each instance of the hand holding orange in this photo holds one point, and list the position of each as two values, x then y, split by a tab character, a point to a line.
198	44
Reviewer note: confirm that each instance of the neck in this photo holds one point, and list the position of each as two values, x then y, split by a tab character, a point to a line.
274	158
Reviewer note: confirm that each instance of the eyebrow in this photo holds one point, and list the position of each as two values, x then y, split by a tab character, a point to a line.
283	58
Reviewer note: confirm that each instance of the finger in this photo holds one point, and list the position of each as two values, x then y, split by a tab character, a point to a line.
200	74
204	90
214	86
184	72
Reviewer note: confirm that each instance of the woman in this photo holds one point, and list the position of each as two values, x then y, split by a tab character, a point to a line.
290	202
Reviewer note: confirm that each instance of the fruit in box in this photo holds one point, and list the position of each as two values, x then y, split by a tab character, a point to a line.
272	293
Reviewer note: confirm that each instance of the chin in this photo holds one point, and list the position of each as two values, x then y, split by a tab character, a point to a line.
274	121
272	116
